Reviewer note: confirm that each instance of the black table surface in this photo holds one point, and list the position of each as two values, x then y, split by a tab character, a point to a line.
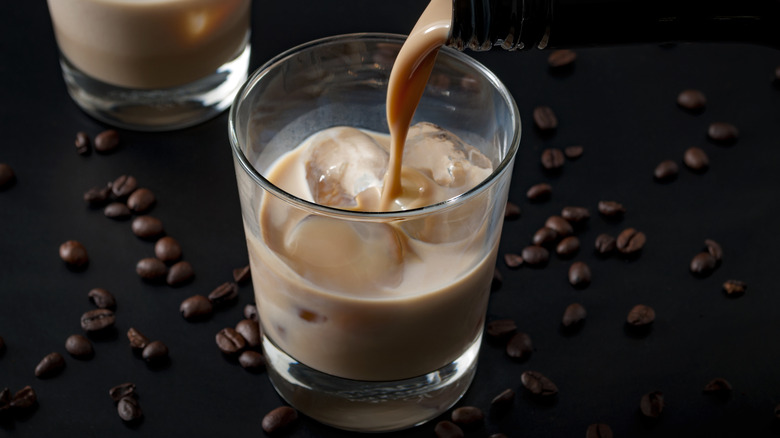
619	103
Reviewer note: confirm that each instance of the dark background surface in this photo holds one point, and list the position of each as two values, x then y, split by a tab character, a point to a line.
619	103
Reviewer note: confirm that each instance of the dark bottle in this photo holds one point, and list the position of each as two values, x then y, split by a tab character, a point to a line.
525	24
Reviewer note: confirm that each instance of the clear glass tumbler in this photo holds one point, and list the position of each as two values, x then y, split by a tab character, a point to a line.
389	338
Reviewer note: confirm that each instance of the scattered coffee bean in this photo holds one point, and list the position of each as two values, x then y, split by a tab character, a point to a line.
640	315
702	264
278	419
97	196
568	246
167	249
102	298
536	383
250	330
598	430
573	152
137	340
7	175
195	307
230	342
129	409
74	254
579	274
573	315
552	159
539	192
696	159
501	328
242	275
605	244
79	346
545	118
714	249
98	319
252	360
544	236
512	211
151	269
124	186
122	390
504	398
141	200
717	386
223	294
611	208
147	227
535	255
467	415
51	365
180	273
25	398
734	287
692	100
561	58
117	210
82	143
630	241
575	215
666	170
722	132
652	404
155	351
107	141
250	312
447	429
519	346
560	225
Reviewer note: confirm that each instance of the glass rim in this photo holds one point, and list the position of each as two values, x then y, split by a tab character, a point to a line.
268	186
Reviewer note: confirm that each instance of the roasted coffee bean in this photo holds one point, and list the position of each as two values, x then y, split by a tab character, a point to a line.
79	346
82	143
180	273
500	328
575	215
605	244
107	141
519	346
252	360
552	158
630	241
129	409
447	429
561	58
535	255
734	287
640	315
98	319
124	186
722	132
137	340
544	236
97	196
666	170
224	293
703	264
147	227
230	341
196	307
579	274
536	383
692	100
74	254
544	118
611	208
714	249
652	404
504	398
250	312
467	416
242	275
102	298
25	398
278	419
7	175
573	315
573	152
598	430
512	211
568	246
696	159
717	386
560	225
539	192
250	330
167	249
155	351
121	391
141	200
117	210
51	365
151	269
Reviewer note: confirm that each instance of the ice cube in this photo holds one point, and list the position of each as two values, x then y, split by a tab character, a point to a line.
343	162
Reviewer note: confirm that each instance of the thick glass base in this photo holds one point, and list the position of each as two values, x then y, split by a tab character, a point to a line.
369	406
158	110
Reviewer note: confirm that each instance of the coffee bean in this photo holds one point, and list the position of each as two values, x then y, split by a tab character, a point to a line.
630	241
573	152
575	215
121	391
97	196
278	419
734	287
611	208
560	225
544	236
561	58
717	386
107	141
167	249
519	346
568	246
147	227
447	429
573	315
536	383
195	307
696	159
692	100
223	294
467	416
722	132
129	409
666	170
25	398
535	255
640	315
137	340
598	430
500	328
74	254
242	275
79	346
512	211
151	269
545	118
579	274
155	351
82	143
714	249
7	176
98	319
250	330
117	210
180	273
504	398
539	192
102	298
124	186
230	341
141	200
702	264
252	360
250	312
552	159
51	365
605	244
652	404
